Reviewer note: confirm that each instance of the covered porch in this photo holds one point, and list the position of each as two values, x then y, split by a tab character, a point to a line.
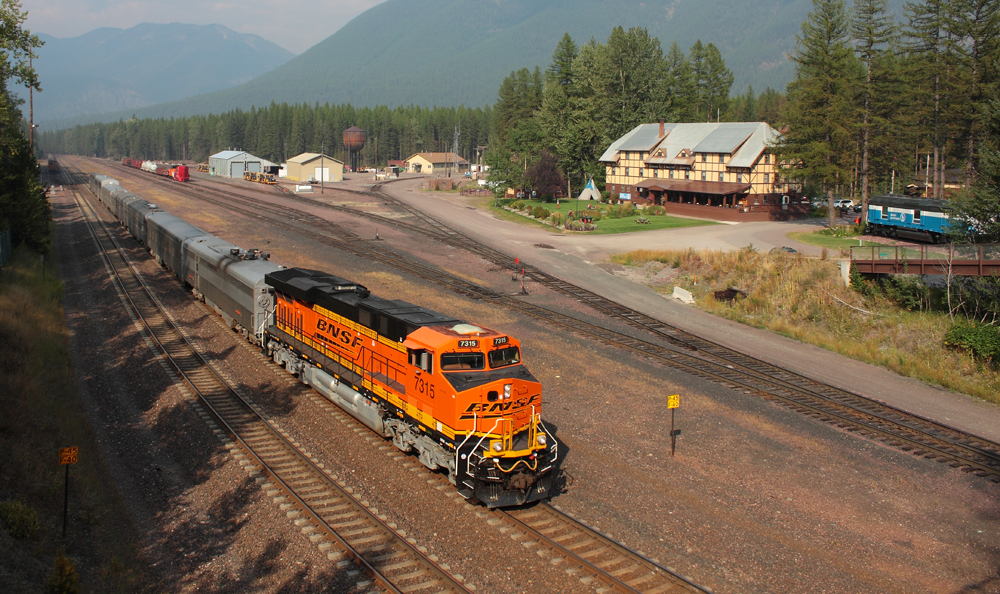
685	191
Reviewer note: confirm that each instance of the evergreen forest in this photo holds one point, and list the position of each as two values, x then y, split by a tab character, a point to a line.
875	104
24	210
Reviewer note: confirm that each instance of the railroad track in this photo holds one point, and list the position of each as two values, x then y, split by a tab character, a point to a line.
592	556
320	505
582	551
700	357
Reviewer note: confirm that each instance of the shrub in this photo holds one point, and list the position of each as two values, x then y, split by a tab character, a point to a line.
838	231
981	340
21	520
909	291
605	195
540	213
63	579
656	210
556	218
580	226
517	205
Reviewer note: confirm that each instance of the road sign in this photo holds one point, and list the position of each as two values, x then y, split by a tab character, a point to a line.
674	401
67	455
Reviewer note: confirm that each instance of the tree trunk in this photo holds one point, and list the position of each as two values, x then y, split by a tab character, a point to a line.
864	147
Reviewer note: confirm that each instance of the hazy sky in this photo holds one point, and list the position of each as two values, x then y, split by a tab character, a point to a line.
280	22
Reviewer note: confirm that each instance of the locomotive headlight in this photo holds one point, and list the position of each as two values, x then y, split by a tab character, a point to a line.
506	392
541	439
497	446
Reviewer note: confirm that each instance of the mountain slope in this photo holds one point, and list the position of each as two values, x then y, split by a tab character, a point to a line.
451	52
114	69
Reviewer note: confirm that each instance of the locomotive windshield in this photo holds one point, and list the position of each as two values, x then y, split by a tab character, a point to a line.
462	361
504	357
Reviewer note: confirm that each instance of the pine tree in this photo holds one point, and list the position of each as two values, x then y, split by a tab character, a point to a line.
927	45
770	106
699	75
748	107
680	85
977	24
560	71
872	29
819	107
975	212
717	84
63	579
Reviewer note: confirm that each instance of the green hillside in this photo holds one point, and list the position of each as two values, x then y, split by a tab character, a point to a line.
452	52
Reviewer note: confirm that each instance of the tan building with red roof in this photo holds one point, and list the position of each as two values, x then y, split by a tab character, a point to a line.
431	163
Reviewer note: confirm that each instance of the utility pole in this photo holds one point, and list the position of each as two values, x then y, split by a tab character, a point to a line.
322	148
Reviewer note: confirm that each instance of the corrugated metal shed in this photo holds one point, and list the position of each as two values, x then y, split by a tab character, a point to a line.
226	155
234	164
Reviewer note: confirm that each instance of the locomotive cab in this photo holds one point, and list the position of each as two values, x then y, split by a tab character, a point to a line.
503	453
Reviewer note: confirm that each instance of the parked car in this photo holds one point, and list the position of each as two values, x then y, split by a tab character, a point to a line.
843	203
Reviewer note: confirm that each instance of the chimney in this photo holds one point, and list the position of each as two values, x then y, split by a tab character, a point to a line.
661	127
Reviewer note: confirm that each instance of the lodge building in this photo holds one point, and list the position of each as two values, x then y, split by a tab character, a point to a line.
728	164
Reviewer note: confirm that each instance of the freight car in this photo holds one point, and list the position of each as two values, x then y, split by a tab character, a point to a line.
893	215
177	172
456	394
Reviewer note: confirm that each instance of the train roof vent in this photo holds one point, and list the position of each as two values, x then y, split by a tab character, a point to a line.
466	329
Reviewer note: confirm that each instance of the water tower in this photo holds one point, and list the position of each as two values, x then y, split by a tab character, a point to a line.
354	141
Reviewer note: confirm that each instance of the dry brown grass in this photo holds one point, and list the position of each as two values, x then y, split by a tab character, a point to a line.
41	412
798	297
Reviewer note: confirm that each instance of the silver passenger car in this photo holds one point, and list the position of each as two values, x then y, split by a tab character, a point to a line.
134	217
165	237
231	280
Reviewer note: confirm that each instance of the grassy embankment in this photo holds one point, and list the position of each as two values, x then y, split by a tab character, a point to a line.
41	413
819	239
804	298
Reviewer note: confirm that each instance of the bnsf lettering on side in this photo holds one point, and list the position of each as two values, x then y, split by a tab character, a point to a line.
337	332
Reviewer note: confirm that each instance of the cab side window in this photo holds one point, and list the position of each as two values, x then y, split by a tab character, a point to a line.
421	359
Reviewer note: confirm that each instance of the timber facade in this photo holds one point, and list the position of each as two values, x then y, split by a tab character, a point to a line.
728	165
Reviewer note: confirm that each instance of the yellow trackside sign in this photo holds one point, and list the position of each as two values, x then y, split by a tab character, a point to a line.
674	401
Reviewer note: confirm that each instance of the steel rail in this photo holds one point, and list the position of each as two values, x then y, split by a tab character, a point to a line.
837	406
218	396
619	567
956	448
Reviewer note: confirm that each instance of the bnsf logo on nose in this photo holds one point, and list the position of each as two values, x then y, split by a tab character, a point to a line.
336	332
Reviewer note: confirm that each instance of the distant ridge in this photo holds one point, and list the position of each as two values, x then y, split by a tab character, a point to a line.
456	52
115	69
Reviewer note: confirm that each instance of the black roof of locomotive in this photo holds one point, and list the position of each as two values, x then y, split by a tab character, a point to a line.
333	293
899	201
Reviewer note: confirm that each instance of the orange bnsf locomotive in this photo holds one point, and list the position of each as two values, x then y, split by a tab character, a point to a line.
457	394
